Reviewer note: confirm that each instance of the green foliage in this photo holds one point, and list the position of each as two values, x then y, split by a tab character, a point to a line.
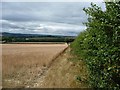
99	45
9	39
78	78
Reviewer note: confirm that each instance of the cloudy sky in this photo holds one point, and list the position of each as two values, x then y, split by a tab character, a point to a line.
60	18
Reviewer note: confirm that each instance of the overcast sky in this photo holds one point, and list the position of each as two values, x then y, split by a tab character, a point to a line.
60	18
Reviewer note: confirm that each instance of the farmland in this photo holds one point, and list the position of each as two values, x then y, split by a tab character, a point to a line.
23	63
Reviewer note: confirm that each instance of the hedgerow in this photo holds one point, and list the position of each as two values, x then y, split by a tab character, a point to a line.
99	45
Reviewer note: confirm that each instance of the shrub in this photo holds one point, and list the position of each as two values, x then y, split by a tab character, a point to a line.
99	46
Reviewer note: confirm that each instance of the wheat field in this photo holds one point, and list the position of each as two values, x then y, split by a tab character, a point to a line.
23	63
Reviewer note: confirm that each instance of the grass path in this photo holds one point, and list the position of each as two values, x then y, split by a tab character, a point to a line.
63	73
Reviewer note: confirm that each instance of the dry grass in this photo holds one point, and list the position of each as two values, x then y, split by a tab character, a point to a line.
63	73
23	63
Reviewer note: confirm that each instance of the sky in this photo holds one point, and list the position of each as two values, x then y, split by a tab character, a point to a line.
53	18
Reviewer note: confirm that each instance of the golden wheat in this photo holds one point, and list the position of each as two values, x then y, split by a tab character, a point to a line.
21	61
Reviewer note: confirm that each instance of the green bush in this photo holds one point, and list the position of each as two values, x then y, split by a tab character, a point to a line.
99	45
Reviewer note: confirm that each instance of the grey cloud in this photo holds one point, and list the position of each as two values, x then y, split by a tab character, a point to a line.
10	25
41	27
37	17
57	12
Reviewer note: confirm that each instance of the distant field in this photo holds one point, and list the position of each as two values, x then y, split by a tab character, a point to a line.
35	43
21	61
